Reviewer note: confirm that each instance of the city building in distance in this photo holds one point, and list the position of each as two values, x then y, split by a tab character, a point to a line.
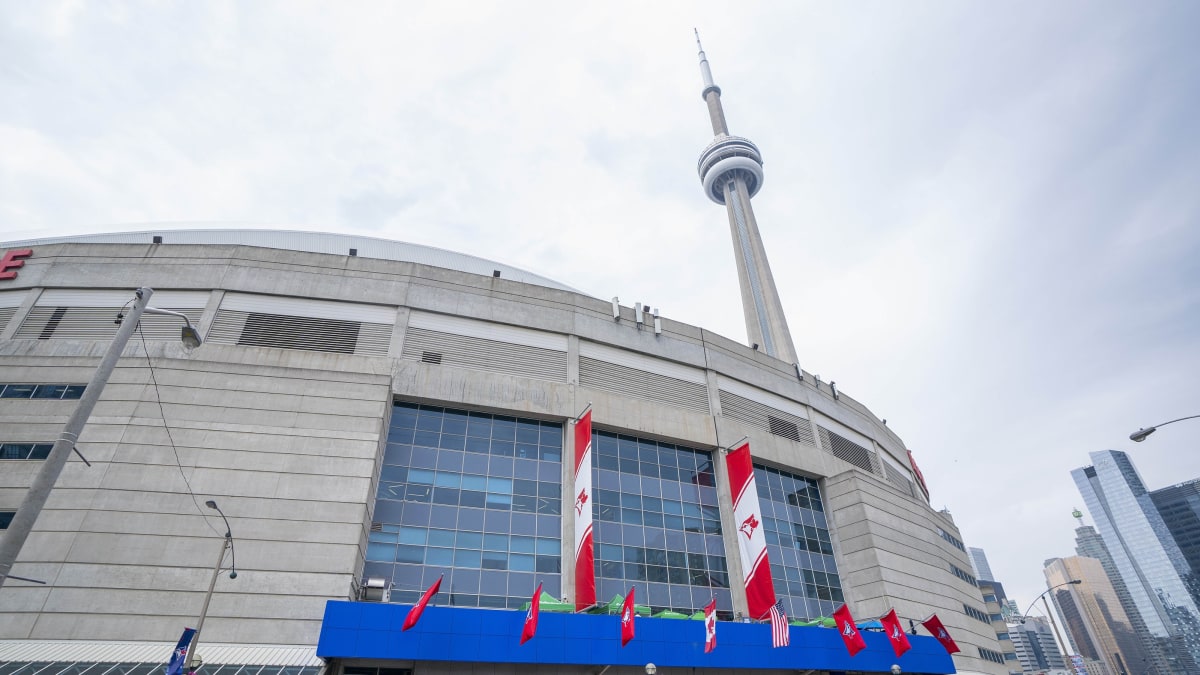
1035	644
1149	562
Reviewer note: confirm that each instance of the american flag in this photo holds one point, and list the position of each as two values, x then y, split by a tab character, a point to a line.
779	625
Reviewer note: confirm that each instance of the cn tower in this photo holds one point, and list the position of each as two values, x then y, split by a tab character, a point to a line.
731	172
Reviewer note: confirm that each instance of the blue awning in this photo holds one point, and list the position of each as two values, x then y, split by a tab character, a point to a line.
363	630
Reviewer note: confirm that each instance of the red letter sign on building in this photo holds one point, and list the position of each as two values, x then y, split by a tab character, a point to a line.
10	262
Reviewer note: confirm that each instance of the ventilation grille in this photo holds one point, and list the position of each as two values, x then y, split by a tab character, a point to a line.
261	329
767	418
96	323
626	381
6	315
899	479
464	351
847	450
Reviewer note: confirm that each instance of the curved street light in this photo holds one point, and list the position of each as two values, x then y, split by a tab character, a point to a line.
226	544
1141	434
1072	582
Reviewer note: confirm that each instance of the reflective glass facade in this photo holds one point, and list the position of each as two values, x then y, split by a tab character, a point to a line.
1146	556
657	525
474	496
802	564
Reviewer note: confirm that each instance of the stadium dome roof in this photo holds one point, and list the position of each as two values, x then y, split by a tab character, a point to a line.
315	242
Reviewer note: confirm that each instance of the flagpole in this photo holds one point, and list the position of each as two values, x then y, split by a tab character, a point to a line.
580	415
725	450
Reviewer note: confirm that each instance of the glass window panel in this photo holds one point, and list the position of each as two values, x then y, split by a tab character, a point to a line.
416	536
441	538
381	552
453	442
476	444
18	391
426	439
469	559
439	557
473	499
521	562
410	554
495	542
547	564
494	560
551	436
469	540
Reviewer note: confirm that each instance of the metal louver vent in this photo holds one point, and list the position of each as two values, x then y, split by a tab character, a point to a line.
784	428
6	315
477	353
376	527
847	450
296	332
642	384
96	323
261	329
767	418
899	480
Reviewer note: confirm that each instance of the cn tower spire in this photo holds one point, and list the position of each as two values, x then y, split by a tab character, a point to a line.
731	172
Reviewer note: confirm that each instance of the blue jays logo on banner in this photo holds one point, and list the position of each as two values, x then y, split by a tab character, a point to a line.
179	656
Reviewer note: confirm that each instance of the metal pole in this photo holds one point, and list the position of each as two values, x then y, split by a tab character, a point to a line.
31	506
225	543
1054	625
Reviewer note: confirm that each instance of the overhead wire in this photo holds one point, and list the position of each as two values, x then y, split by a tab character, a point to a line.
162	413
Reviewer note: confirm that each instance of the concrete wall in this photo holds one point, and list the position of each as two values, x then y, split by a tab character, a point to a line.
288	442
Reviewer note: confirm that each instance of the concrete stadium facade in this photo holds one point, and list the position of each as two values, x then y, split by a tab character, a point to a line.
318	370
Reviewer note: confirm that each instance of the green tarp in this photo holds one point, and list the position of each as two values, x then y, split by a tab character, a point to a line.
614	607
668	614
548	603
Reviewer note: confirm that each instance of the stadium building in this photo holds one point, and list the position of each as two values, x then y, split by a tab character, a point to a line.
367	416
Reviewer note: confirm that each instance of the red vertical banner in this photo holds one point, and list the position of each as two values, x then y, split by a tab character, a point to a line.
710	626
752	543
850	635
414	614
895	632
531	617
934	626
585	568
627	613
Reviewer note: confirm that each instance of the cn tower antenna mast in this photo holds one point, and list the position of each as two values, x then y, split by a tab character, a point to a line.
731	172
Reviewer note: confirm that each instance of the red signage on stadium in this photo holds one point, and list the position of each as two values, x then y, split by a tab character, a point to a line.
11	262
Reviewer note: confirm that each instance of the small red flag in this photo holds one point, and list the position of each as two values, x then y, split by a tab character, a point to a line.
850	635
710	626
531	616
934	626
891	626
414	614
627	612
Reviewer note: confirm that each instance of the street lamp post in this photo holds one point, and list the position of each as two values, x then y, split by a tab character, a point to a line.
1141	434
226	544
22	523
1042	597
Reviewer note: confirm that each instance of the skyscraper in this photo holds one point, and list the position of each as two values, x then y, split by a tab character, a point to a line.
1145	555
979	563
1091	610
1136	643
1179	506
1035	645
731	172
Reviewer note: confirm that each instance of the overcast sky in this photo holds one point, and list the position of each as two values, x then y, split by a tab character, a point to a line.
982	217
